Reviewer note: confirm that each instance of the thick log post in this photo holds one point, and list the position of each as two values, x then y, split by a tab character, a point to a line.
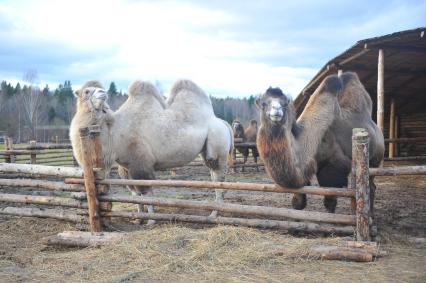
352	175
396	134
98	160
89	181
392	128
33	155
6	147
362	186
10	158
381	90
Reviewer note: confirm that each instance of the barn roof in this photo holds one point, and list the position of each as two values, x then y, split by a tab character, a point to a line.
404	65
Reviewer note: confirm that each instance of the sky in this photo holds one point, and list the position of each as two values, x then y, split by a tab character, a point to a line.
229	48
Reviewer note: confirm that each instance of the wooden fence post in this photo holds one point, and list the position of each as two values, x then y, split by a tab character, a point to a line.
6	147
10	147
352	175
33	144
89	181
362	186
98	160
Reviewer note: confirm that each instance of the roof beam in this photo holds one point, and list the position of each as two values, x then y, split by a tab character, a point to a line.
406	48
402	71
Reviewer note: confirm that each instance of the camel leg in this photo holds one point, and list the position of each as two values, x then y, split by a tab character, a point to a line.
234	158
137	173
244	162
299	201
218	175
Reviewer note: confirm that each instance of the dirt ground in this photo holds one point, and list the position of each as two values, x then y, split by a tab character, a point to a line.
186	253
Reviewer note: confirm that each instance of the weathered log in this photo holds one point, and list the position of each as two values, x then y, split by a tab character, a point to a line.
236	208
51	200
19	152
400	170
370	247
59	214
340	253
89	181
247	165
42	184
255	223
49	146
42	170
56	156
341	192
53	151
362	187
83	239
406	158
47	200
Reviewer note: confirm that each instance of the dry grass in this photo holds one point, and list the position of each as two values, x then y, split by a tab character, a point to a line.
188	253
172	252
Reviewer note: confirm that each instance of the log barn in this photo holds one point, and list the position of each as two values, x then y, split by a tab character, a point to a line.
393	70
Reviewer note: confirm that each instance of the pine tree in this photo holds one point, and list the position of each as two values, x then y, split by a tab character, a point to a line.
112	91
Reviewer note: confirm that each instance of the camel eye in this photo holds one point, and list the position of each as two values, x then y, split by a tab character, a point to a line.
87	91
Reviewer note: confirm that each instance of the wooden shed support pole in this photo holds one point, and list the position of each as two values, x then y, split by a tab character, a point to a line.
360	142
392	128
89	181
396	146
381	90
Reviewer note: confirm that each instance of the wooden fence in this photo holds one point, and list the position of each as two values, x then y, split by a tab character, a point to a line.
88	199
38	153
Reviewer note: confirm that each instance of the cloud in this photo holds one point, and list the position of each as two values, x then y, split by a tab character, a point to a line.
234	48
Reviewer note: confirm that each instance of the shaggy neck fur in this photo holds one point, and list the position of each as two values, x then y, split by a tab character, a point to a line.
86	118
288	148
285	163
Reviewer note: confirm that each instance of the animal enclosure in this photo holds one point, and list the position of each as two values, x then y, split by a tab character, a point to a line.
86	201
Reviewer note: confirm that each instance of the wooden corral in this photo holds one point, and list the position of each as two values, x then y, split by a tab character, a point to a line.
94	205
393	70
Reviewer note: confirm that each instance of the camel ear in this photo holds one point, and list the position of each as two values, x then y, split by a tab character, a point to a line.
77	93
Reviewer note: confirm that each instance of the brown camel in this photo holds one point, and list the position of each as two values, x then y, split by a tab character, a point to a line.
239	133
319	142
251	136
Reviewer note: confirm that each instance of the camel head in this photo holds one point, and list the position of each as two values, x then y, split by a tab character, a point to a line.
92	98
253	123
275	107
238	129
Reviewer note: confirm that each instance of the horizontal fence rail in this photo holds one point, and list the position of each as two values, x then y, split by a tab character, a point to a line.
325	191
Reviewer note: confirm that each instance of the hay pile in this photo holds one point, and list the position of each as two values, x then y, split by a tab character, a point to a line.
180	253
169	251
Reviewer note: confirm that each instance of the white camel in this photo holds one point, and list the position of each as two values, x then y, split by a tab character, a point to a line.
147	134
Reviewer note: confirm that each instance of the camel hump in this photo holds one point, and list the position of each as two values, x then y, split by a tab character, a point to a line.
348	76
138	88
92	83
187	86
332	84
354	96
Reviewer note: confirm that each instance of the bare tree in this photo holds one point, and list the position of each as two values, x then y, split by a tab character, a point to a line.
31	100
